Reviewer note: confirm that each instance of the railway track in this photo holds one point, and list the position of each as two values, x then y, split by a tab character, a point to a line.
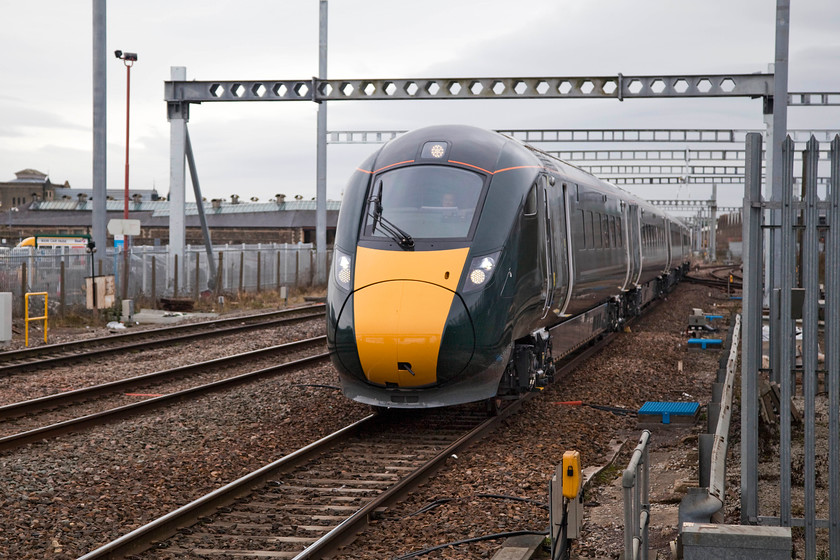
27	413
718	278
312	501
17	361
307	504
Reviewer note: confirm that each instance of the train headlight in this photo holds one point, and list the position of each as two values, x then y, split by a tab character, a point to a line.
343	268
481	271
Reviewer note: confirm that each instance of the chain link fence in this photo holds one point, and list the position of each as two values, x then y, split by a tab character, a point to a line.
153	273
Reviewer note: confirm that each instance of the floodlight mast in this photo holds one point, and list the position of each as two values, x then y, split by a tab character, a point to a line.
128	59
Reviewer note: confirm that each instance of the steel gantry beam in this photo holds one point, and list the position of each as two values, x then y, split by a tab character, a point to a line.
180	93
611	87
719	136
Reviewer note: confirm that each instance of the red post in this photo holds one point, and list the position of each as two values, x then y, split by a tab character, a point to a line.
128	59
128	65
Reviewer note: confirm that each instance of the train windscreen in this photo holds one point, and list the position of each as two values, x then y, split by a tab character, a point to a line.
423	202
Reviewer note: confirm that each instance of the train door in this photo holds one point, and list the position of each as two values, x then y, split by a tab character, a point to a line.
634	244
565	256
547	244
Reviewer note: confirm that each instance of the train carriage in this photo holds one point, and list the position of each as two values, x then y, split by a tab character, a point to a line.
467	262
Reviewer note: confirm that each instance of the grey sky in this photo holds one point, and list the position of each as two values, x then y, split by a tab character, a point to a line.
259	149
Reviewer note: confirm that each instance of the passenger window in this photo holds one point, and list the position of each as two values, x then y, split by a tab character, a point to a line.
619	232
583	229
531	201
605	222
596	230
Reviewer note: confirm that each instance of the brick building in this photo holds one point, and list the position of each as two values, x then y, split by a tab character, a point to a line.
33	208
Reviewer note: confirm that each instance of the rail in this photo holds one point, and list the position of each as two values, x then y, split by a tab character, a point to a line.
331	538
636	489
15	361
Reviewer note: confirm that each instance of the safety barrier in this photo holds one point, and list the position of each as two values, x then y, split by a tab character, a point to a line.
29	319
636	488
700	504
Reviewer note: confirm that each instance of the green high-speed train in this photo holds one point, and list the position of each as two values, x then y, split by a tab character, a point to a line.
466	263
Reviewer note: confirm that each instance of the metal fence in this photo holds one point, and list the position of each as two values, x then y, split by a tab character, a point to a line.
806	450
154	273
636	491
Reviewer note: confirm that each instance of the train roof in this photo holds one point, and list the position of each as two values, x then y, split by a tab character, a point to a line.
482	149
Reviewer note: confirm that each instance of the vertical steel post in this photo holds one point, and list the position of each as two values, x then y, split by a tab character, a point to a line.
242	270
751	349
832	346
178	114
62	292
321	172
776	180
100	138
810	317
175	270
197	288
713	225
154	283
786	339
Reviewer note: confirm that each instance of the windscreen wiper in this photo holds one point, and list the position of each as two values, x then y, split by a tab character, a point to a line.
394	232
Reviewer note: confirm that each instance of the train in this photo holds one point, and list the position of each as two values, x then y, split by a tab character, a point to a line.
466	263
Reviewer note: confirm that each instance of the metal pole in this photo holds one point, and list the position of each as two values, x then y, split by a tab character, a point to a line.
751	349
786	338
178	114
832	347
321	173
713	225
100	140
205	229
128	65
126	270
775	174
810	282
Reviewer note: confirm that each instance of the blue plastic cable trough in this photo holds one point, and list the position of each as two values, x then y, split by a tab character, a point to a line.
705	343
668	409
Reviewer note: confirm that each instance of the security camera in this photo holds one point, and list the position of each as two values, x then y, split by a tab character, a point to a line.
129	56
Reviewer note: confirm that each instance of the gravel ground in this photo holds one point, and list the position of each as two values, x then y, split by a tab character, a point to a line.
65	497
519	460
31	384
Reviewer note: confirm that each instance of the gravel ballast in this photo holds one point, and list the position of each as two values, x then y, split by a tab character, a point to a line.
67	496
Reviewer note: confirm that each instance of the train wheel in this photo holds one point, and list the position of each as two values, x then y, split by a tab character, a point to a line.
494	404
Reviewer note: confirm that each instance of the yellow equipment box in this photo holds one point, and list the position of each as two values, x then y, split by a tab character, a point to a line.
571	474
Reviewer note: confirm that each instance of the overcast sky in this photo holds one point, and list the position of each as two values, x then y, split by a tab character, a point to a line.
259	149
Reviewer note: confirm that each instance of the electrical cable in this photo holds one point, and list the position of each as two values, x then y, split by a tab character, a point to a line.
613	409
439	502
468	541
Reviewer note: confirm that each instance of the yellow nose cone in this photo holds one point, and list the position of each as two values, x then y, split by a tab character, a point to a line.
401	304
398	334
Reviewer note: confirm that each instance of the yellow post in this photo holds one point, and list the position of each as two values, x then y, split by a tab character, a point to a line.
27	318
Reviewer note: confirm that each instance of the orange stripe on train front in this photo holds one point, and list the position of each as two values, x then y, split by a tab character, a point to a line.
401	303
